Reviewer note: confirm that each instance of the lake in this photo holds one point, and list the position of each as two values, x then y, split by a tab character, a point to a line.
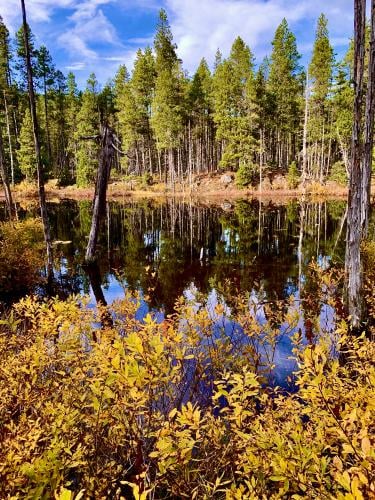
173	248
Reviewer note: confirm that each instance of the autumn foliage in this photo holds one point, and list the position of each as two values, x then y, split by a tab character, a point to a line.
179	408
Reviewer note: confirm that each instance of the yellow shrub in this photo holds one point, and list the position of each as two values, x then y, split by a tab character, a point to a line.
138	411
21	256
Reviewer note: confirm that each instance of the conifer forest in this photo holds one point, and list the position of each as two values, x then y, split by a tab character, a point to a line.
187	258
254	118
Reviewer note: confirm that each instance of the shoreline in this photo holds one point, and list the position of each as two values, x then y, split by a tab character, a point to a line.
117	191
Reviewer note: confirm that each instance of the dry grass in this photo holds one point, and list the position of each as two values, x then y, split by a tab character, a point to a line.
205	187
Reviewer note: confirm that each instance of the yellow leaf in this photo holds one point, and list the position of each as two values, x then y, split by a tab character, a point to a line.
366	446
64	495
116	362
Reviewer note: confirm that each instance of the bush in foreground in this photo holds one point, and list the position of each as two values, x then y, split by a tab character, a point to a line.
174	410
21	256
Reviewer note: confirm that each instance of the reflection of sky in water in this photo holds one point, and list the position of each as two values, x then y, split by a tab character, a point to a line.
282	355
175	248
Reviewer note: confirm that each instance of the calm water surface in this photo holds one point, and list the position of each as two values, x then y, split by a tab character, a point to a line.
165	250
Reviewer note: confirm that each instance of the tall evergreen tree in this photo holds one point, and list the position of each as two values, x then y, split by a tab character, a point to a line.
26	152
58	128
232	88
320	79
321	65
286	90
20	64
167	105
121	80
200	135
7	102
134	104
88	122
5	56
45	72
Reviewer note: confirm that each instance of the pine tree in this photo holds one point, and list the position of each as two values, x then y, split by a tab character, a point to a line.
20	65
7	101
218	59
134	103
320	69
165	49
5	79
121	80
231	96
320	79
87	126
58	128
26	152
286	91
72	106
45	73
264	105
167	105
200	136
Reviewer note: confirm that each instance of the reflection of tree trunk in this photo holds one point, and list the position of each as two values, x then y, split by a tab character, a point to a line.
92	270
319	227
343	219
259	224
107	154
300	245
261	160
40	173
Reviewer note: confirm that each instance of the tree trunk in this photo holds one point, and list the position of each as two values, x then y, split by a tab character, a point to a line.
369	128
39	166
304	147
353	240
47	121
4	179
107	156
9	140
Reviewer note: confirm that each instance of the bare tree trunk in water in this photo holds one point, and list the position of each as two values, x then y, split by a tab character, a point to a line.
107	156
4	179
369	128
353	239
39	166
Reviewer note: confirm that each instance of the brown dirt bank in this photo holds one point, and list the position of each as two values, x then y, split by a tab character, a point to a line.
208	188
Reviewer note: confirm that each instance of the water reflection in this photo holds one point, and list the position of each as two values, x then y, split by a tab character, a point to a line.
166	250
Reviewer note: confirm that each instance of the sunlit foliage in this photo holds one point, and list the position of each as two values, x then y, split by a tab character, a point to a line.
21	256
178	408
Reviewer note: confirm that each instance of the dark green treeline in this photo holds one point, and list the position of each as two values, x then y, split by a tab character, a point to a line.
257	120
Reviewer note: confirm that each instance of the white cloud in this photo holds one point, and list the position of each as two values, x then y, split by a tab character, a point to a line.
89	26
202	26
38	11
86	40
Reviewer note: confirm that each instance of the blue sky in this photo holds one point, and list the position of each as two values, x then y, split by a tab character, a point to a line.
87	36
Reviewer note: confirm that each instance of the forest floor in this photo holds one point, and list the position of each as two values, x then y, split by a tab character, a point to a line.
205	188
